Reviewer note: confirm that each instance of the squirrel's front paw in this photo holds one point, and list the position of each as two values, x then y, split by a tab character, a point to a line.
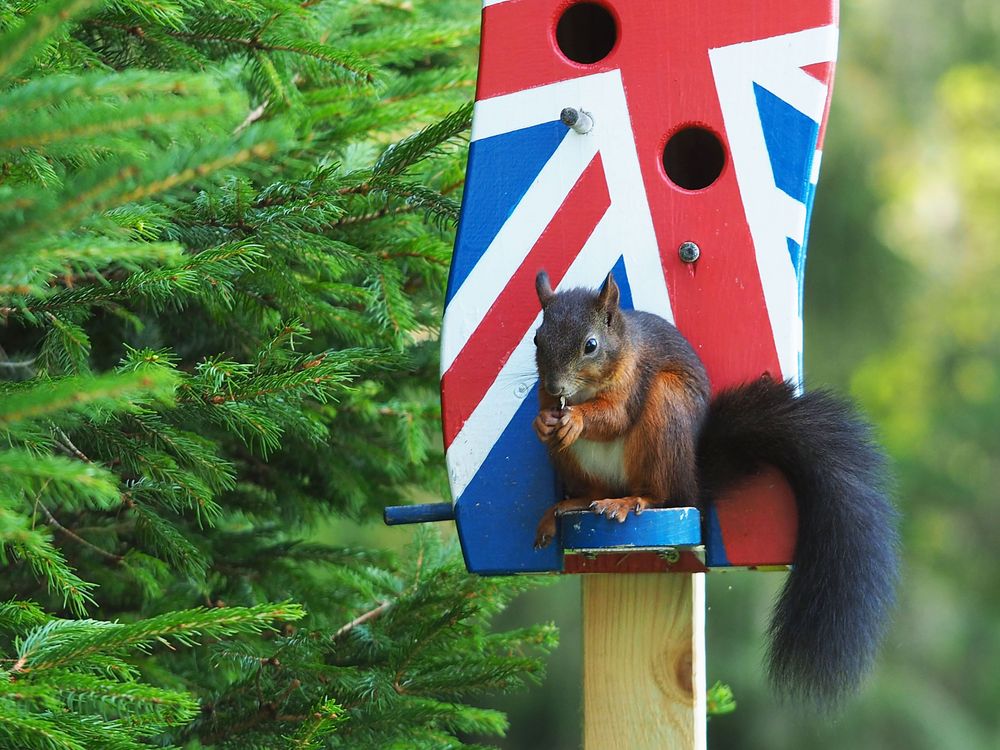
569	429
617	508
545	424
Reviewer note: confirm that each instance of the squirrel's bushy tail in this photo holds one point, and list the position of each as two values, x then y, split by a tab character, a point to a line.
834	608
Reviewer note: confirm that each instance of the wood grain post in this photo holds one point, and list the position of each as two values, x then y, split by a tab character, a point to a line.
644	661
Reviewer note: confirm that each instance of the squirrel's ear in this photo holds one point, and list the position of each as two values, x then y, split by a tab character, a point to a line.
544	288
609	296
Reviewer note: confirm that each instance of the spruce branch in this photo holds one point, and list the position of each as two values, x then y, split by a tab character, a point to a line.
101	87
88	121
401	156
361	619
118	183
76	537
144	703
353	64
67	445
71	482
292	297
116	391
24	730
19	46
61	643
165	539
322	722
20	539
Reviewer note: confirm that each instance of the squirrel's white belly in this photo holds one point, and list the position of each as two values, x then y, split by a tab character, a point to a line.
604	460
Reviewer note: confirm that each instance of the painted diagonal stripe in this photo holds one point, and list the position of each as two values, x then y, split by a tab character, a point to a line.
778	62
502	327
530	106
512	243
493	170
773	215
478	436
791	142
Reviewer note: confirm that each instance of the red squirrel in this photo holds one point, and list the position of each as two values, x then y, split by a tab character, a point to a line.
629	421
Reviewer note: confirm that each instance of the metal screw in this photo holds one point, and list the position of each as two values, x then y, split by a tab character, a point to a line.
577	119
689	252
671	555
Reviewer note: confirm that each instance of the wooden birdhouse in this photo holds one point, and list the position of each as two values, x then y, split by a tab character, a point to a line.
678	145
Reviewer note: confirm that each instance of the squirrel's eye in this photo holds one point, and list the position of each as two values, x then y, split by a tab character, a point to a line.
590	347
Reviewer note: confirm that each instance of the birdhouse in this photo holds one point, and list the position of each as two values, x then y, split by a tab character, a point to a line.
677	145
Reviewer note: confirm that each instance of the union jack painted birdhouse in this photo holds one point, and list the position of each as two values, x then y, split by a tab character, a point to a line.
677	144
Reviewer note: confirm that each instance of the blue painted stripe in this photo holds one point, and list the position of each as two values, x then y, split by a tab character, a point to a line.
791	137
794	252
800	268
501	168
502	505
621	278
715	550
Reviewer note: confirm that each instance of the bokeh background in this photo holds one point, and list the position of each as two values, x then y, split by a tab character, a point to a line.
903	313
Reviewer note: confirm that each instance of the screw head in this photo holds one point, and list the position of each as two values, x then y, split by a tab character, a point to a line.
580	121
689	252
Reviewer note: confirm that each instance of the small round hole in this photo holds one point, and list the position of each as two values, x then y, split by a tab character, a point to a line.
586	32
693	158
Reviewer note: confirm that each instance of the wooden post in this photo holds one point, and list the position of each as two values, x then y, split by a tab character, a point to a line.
644	661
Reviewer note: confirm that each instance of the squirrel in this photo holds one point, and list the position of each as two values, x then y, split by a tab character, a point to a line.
628	418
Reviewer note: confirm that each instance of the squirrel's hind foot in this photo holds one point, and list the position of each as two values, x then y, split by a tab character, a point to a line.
546	530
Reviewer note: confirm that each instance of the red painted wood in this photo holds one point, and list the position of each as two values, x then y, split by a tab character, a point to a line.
759	521
662	52
632	562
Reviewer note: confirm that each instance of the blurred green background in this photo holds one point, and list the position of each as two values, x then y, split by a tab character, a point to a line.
902	312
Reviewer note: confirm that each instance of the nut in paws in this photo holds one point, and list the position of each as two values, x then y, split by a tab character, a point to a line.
570	428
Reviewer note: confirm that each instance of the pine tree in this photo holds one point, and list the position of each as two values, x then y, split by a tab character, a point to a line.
224	233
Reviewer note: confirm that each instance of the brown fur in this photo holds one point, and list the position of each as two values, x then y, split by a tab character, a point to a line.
644	385
660	448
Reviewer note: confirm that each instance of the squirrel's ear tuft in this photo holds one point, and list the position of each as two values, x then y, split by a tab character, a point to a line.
609	296
544	288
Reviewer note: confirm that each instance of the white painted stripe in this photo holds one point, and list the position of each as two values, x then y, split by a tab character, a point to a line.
771	215
796	87
791	213
487	3
776	64
522	109
817	160
513	242
635	236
